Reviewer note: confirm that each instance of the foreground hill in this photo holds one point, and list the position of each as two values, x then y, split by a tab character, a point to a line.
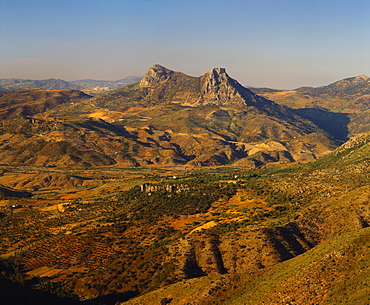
335	272
225	235
318	253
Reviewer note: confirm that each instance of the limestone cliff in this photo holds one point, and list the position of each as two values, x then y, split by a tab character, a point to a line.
217	87
154	76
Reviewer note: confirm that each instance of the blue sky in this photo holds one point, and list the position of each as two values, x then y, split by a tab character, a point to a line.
272	43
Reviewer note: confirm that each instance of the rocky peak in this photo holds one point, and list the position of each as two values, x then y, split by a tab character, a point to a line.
155	75
361	79
348	86
214	79
215	87
352	81
218	87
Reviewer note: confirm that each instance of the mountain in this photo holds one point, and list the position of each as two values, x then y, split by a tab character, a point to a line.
341	108
167	118
198	114
29	102
347	95
359	85
89	86
52	83
161	85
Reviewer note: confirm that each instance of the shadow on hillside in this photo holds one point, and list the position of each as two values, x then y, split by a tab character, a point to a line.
81	178
12	293
5	193
332	122
113	299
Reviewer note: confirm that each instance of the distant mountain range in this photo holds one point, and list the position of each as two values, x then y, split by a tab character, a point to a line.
89	86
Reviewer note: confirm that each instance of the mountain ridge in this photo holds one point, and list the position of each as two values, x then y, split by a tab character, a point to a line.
352	92
213	102
213	87
348	86
342	108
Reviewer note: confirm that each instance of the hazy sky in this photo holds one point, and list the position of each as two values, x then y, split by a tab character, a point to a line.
272	43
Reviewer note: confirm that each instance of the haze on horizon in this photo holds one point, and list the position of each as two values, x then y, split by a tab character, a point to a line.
262	43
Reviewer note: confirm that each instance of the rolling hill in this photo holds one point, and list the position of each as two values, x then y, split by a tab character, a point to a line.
29	102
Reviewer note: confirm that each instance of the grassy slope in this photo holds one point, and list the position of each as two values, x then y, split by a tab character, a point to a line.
311	277
335	272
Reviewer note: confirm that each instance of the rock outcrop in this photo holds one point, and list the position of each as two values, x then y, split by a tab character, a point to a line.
217	87
202	253
154	76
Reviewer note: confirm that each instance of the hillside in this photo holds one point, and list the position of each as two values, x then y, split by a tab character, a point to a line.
335	272
347	95
225	235
317	253
354	151
340	108
90	142
29	102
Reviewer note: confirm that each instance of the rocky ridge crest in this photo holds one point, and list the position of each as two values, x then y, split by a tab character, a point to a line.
214	87
217	87
154	76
